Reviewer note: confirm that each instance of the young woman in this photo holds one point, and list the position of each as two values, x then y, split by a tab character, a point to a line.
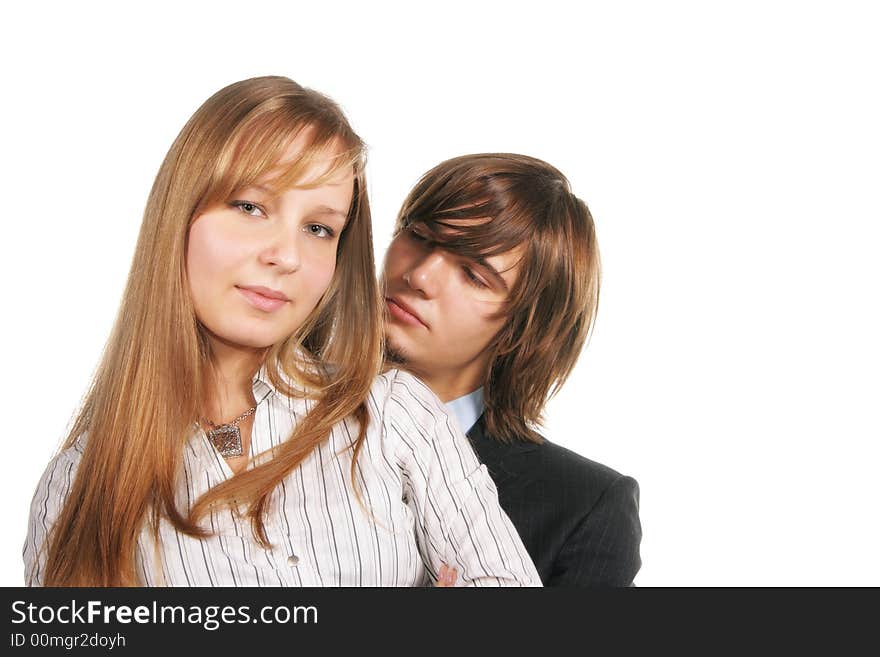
237	431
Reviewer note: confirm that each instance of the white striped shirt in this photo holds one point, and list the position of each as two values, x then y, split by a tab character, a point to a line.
427	500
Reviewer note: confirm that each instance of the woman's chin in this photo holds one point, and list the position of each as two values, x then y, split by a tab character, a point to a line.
249	340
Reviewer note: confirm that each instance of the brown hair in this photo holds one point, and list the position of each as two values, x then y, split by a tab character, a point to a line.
152	380
483	205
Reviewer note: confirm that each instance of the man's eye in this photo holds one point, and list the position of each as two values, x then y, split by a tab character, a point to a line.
473	279
416	237
248	208
319	231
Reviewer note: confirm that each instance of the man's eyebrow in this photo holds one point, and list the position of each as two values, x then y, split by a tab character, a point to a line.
482	262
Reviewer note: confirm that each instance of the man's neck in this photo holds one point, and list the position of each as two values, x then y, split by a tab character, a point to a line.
452	384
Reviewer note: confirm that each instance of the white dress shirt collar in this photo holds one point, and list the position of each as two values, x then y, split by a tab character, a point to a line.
467	409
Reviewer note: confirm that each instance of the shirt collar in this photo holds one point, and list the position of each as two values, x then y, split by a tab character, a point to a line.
261	384
467	409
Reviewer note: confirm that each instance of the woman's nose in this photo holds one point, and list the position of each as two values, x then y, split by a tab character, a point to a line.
282	251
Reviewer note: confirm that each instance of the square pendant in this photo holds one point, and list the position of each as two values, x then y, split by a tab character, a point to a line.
226	439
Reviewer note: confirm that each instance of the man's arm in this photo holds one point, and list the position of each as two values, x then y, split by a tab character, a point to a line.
603	550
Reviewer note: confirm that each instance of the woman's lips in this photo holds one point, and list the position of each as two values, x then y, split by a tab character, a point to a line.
399	312
261	301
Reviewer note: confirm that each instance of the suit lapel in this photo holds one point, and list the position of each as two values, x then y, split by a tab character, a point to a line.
500	458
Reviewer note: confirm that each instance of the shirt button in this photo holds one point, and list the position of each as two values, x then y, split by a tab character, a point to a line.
292	560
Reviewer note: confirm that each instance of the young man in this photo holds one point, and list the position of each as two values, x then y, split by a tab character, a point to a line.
491	285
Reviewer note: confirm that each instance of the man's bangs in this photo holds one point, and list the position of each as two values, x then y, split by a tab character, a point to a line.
469	233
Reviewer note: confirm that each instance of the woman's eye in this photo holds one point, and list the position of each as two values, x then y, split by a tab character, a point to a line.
248	208
319	231
473	279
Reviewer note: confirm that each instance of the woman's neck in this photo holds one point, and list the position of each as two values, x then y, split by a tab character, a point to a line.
231	389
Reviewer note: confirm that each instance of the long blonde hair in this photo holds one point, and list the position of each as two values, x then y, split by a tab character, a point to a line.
153	378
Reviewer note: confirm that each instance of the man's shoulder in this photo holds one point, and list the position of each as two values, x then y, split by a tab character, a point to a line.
557	458
549	464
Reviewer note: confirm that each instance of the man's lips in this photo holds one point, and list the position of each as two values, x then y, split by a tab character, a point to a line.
401	311
263	298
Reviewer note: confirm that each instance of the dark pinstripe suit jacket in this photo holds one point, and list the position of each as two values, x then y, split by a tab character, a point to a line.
578	519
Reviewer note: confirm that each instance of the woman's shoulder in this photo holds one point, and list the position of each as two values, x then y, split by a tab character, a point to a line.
398	392
61	468
48	500
410	417
54	486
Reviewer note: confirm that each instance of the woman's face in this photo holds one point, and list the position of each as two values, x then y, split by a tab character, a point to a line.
258	264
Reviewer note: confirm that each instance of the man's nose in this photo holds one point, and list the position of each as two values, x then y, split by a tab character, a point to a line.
426	275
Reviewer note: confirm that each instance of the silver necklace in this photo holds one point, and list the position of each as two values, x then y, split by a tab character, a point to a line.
226	438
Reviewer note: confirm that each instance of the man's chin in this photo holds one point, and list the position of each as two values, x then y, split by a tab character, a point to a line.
395	356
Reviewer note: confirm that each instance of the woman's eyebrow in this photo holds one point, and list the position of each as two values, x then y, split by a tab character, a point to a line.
320	210
326	209
256	187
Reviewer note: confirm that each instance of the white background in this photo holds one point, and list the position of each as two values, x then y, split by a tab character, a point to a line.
729	152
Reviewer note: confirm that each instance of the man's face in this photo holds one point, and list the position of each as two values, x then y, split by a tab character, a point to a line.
440	310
